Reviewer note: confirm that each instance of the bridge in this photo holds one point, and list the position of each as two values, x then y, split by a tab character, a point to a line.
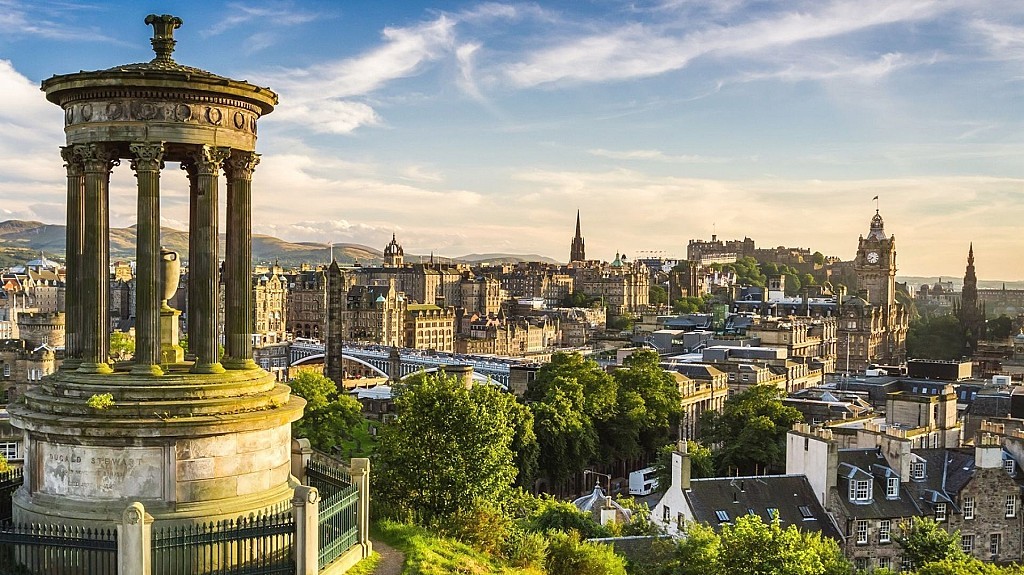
412	361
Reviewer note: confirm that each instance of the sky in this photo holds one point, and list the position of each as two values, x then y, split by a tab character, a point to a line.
472	127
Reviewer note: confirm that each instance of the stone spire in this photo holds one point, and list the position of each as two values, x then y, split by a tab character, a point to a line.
969	312
577	253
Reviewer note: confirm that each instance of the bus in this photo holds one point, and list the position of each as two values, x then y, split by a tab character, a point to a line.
642	481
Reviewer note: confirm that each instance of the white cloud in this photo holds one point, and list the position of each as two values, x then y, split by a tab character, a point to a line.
274	14
321	96
635	51
1004	41
657	156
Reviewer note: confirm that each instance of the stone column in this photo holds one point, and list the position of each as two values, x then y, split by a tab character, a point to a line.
98	161
147	161
73	256
238	301
203	278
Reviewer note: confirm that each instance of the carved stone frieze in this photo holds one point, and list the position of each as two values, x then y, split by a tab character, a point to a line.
232	115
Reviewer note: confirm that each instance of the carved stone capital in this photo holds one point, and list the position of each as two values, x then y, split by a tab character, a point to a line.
241	165
97	157
147	157
206	160
72	161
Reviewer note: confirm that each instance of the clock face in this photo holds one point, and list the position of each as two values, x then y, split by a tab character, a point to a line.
873	257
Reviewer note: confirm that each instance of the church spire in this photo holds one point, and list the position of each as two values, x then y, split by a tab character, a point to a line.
577	252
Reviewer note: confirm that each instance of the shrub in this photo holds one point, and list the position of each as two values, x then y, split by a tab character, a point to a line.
563	516
483	526
570	555
525	549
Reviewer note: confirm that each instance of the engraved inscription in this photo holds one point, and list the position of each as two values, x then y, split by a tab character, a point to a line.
79	471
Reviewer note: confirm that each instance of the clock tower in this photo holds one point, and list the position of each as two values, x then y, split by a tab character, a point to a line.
875	265
872	327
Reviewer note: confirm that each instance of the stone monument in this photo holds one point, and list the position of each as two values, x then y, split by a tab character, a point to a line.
192	441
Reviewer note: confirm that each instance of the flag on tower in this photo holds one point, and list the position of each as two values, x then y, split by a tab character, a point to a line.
874	198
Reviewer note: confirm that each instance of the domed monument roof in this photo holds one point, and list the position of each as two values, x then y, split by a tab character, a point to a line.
159	100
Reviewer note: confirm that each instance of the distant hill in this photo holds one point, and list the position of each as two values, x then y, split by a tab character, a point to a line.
958	282
21	241
497	259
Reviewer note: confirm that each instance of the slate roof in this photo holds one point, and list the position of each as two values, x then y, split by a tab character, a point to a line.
790	495
697	371
861	463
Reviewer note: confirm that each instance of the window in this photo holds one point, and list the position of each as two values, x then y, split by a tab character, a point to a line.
860	563
860	490
1011	505
884	528
1010	466
722	516
967	543
773	513
993	543
862	531
805	512
9	450
884	563
906	564
680	521
892	487
940	511
917	470
7	370
666	513
968	507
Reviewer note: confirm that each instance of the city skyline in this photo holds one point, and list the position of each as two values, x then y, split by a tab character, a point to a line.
484	127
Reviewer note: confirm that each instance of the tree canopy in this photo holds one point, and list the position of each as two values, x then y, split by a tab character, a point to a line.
753	547
329	417
447	448
749	434
939	337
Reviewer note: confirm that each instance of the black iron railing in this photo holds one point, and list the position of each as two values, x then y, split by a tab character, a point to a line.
10	481
51	549
260	545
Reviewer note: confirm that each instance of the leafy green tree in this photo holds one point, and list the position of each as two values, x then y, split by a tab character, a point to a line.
818	258
565	433
940	337
753	547
1000	327
577	299
648	396
924	541
750	432
447	447
702	463
329	417
793	283
658	295
688	304
122	346
599	389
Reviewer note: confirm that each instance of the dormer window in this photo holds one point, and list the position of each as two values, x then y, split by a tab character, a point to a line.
1010	466
860	490
892	487
917	470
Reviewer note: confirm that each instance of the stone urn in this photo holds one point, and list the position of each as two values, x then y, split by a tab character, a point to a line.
170	275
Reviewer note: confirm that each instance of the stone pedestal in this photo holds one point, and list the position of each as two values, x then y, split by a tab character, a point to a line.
190	447
170	351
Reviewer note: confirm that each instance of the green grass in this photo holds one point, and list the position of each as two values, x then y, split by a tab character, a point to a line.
429	554
366	566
